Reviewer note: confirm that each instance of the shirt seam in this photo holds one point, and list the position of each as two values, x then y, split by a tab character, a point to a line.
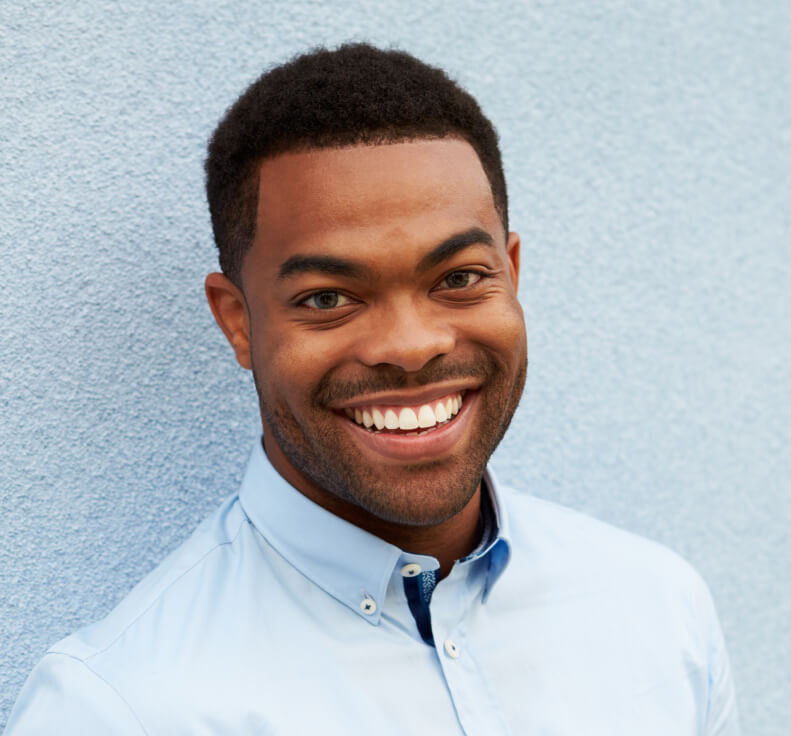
161	593
107	683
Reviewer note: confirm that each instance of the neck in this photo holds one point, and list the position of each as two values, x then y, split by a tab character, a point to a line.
447	541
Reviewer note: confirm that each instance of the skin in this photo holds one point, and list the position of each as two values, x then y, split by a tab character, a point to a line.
380	274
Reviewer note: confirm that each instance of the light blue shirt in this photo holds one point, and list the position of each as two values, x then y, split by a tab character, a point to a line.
277	617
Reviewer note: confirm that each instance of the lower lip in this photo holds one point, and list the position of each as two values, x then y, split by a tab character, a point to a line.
429	446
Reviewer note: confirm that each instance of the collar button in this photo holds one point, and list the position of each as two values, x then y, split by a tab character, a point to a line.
411	570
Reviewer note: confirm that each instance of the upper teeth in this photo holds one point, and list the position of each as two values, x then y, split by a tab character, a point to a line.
407	417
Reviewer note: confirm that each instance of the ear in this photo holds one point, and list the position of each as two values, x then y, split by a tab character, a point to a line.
229	308
512	250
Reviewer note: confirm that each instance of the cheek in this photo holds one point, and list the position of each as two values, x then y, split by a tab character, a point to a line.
292	365
277	361
503	331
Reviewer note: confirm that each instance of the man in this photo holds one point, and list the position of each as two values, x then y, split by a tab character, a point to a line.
371	573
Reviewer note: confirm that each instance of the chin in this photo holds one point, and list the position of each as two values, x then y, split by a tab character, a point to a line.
433	495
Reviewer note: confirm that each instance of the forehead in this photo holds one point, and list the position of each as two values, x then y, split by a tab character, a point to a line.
341	198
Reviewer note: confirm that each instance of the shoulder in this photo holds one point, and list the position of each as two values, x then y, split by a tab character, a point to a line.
172	586
615	599
602	610
561	536
64	696
562	553
86	683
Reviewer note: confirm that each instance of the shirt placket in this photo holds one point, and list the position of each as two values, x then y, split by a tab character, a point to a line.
452	614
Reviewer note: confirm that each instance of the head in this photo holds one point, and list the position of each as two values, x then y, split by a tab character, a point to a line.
369	279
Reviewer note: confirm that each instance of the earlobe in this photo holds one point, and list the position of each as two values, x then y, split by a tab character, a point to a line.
229	308
512	249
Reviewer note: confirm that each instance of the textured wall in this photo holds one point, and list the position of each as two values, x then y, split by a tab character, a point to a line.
648	153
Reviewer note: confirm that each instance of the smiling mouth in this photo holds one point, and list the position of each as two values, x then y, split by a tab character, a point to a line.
407	420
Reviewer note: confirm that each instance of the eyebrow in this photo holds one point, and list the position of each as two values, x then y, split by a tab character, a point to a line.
328	265
454	244
334	266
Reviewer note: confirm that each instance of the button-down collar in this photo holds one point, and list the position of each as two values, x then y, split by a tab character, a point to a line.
351	564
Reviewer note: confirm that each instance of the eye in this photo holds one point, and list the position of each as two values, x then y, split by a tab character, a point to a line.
324	300
461	279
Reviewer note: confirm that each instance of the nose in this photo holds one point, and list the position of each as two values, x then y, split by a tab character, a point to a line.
406	335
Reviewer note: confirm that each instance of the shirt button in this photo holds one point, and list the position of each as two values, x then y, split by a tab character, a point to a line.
410	570
368	606
451	649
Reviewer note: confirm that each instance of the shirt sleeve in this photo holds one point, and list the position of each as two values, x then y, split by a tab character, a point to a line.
64	696
722	718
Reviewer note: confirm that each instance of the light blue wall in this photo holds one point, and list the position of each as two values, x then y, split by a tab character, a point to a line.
649	157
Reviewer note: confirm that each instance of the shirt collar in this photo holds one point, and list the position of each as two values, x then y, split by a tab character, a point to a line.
498	549
347	562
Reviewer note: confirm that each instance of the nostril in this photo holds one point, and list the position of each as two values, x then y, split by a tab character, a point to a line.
405	352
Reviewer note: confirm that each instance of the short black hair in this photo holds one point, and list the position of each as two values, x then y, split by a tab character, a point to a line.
355	94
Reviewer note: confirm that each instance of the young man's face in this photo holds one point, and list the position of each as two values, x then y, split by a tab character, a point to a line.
381	285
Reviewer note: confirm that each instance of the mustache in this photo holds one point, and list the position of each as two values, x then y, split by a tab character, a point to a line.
392	378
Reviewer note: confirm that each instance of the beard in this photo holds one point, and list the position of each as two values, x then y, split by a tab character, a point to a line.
417	494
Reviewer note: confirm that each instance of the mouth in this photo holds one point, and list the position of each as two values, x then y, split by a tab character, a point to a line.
409	421
411	432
